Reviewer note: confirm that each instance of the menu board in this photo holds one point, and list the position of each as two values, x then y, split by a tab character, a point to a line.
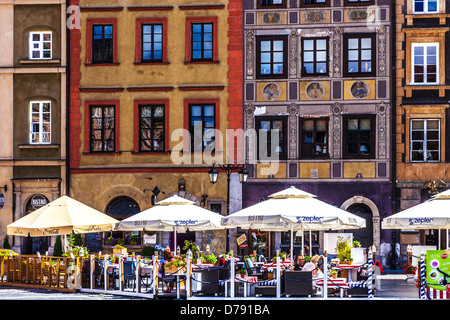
438	269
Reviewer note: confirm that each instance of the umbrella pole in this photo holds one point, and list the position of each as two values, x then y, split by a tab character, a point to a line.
303	241
292	244
175	239
310	243
439	239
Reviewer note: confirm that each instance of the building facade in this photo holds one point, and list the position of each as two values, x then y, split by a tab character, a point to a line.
320	73
143	76
33	86
422	95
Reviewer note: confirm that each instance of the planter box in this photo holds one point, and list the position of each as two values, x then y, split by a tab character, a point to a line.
120	250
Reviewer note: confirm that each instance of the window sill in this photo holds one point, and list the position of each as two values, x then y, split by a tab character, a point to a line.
149	153
39	61
203	62
112	153
422	15
146	63
39	146
441	87
114	64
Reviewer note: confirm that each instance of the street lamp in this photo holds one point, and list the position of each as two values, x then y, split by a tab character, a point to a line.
228	169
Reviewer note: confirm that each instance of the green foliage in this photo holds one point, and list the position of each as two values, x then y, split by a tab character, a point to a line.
209	259
241	271
193	246
148	251
57	248
75	240
6	243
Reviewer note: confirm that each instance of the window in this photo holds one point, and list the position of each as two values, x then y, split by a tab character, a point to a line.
315	56
152	42
426	6
359	55
40	45
315	2
265	129
151	128
425	63
102	128
202	40
102	44
40	122
314	137
271	57
425	140
358	2
358	136
271	3
202	125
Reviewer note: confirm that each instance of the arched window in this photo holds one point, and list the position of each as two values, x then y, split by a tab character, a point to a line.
121	208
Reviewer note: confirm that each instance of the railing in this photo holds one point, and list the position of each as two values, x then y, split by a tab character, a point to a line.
130	276
37	271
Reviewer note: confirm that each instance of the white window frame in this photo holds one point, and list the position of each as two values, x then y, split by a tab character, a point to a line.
38	46
425	46
425	140
425	7
37	127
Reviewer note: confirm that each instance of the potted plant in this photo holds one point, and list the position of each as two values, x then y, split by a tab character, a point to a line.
211	259
134	239
109	240
344	250
334	274
242	272
119	249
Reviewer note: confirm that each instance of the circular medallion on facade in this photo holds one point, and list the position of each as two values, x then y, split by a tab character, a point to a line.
315	90
271	91
359	89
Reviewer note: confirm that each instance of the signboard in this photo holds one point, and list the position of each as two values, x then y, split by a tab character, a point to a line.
38	201
2	200
240	241
438	269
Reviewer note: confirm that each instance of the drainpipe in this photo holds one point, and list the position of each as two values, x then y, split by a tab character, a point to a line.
67	155
393	127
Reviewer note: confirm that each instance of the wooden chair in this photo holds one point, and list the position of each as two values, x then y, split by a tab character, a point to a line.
61	273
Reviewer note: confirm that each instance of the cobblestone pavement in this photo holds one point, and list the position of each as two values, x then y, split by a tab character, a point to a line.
390	289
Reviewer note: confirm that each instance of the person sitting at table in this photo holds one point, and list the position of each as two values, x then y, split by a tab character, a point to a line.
298	264
167	257
312	266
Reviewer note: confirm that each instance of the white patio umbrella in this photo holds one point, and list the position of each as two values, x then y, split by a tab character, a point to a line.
62	216
431	214
293	209
173	214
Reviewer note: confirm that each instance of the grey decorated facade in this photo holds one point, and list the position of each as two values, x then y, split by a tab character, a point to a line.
320	73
